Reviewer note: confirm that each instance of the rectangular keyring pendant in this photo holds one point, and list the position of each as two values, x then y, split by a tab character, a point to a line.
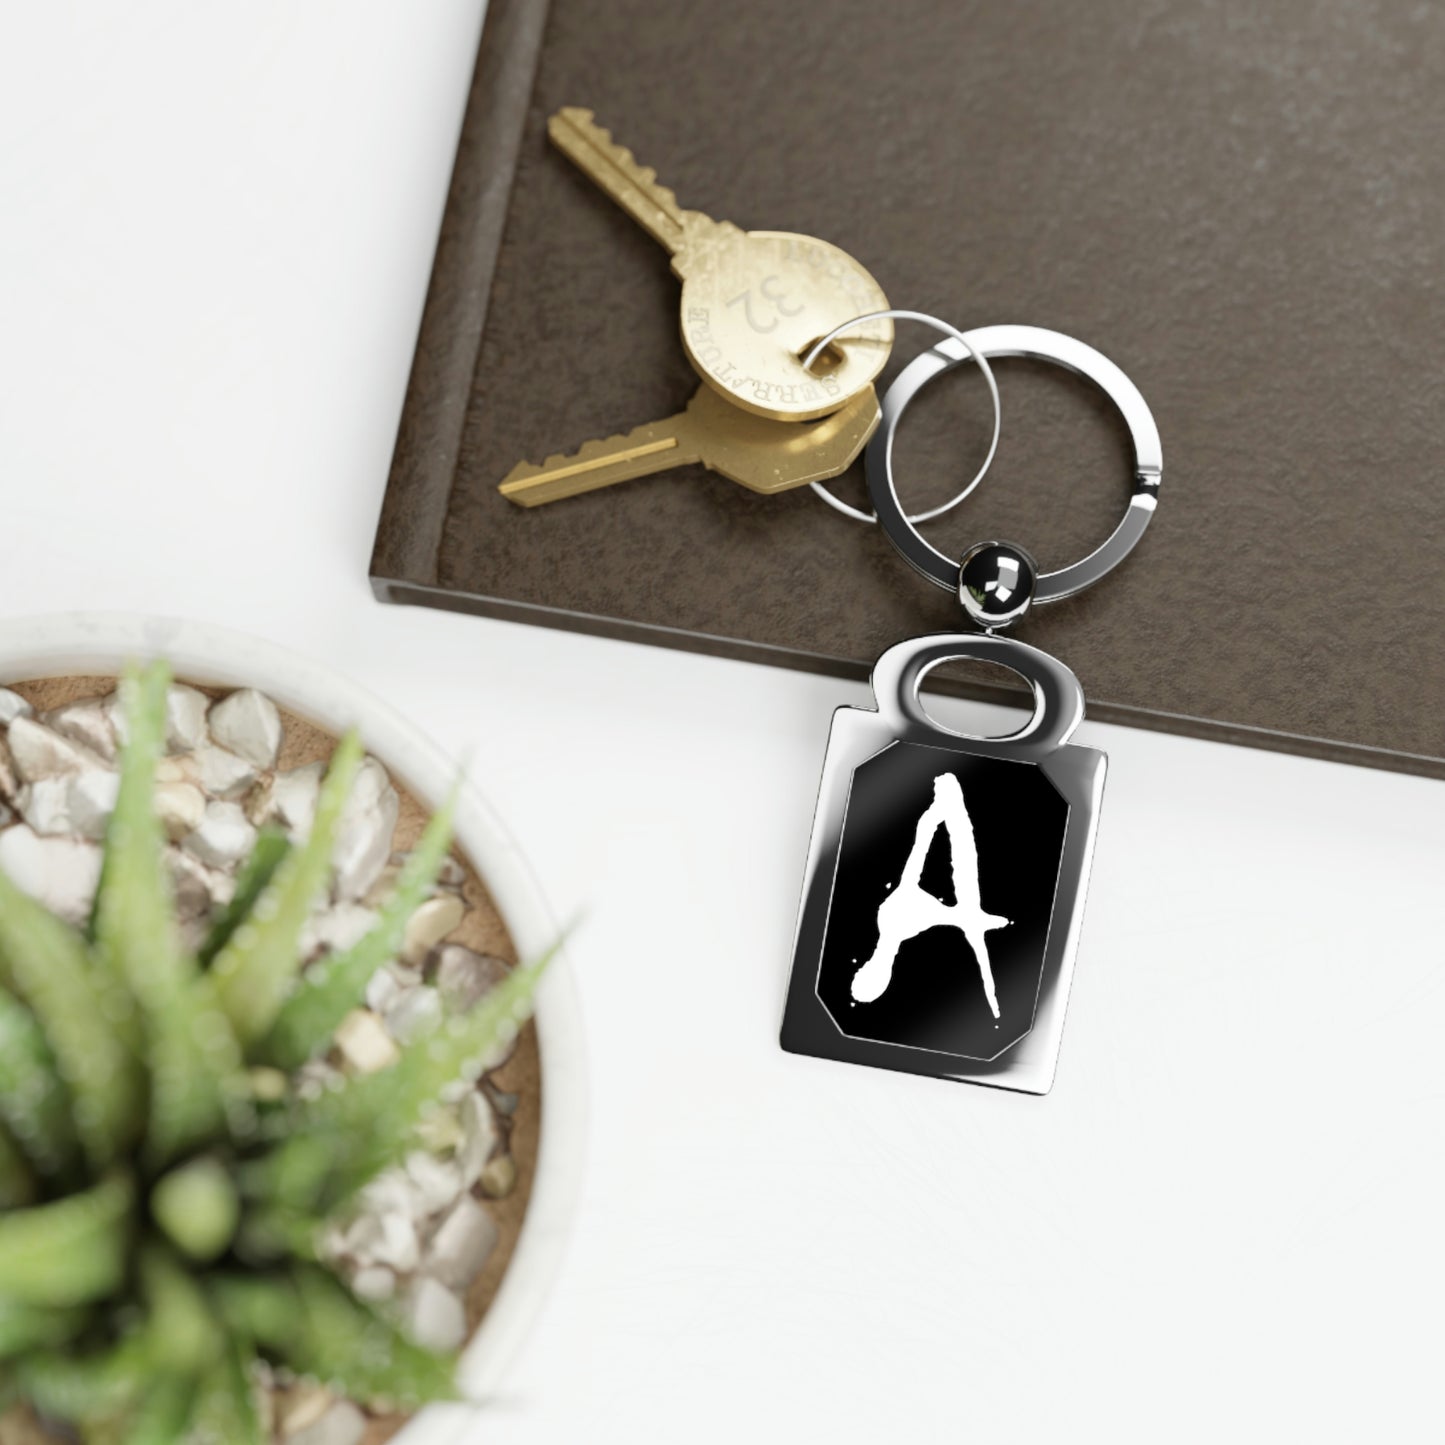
944	890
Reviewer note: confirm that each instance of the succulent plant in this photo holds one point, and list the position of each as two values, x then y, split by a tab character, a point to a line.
164	1185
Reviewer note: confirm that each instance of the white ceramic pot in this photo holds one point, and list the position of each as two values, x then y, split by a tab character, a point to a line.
71	644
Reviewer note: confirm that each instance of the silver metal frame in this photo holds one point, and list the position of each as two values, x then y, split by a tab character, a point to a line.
1036	344
1076	772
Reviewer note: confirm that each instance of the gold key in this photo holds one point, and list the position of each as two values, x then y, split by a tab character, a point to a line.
753	302
765	456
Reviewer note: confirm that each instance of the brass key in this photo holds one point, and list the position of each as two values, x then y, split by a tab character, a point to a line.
765	456
753	302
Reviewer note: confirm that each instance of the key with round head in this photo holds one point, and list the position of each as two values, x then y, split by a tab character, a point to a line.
753	302
762	455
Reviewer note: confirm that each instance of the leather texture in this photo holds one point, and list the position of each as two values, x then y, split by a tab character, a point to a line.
1244	207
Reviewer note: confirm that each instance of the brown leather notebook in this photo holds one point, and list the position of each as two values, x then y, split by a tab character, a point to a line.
1243	207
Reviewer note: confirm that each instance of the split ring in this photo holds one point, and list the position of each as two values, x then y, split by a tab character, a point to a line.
963	350
1036	344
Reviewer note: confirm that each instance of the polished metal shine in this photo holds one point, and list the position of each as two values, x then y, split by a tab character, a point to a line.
996	583
861	738
1036	344
944	892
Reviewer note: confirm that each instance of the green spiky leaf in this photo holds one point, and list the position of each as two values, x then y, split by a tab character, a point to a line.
162	1413
257	1307
71	1251
224	1412
33	1101
46	963
267	855
357	1351
122	1058
87	1387
276	1231
334	985
134	917
18	1185
26	1327
257	968
195	1063
181	1328
343	1140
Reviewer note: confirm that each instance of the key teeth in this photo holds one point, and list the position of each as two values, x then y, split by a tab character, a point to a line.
526	471
576	118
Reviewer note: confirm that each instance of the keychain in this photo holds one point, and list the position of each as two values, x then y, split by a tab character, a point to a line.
944	889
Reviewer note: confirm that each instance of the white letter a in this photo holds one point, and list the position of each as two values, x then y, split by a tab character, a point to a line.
910	910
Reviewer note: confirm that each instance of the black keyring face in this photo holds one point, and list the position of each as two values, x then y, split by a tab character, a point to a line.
1039	345
943	894
934	918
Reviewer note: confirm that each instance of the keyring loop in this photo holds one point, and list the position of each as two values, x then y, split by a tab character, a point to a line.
1036	344
899	673
956	336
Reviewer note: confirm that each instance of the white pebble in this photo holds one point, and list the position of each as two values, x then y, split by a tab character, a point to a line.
113	710
381	989
303	1405
438	1182
413	1013
338	928
185	718
342	1424
360	1238
221	774
374	1283
364	832
12	706
431	923
387	982
180	807
464	976
480	1135
91	801
40	753
383	886
292	799
248	724
78	803
395	1243
499	1178
364	1043
437	1317
61	873
9	783
45	805
198	889
87	723
462	1244
440	1131
224	837
391	1190
176	770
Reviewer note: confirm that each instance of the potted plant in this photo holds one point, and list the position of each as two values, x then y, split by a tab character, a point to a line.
211	1142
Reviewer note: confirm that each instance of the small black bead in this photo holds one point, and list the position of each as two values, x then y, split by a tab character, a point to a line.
996	583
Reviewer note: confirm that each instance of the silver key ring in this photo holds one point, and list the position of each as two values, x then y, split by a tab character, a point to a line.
1038	345
964	350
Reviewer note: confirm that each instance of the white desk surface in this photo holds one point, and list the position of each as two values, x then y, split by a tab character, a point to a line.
217	229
